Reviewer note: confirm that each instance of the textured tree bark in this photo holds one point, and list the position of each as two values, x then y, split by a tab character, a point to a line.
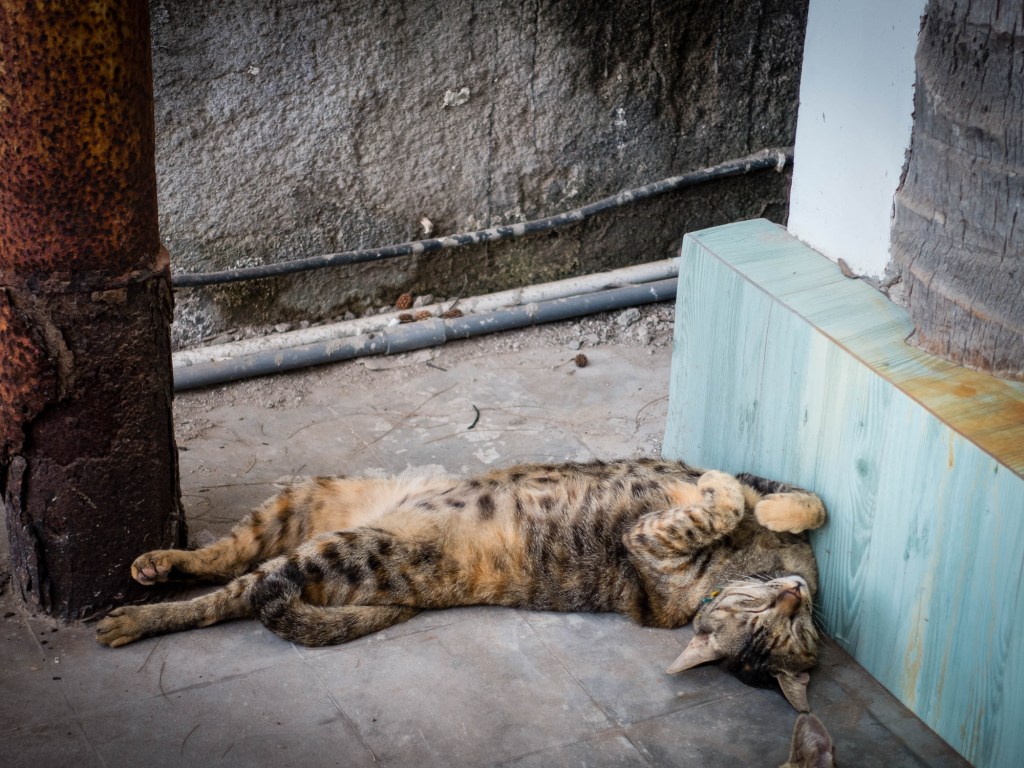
88	463
958	233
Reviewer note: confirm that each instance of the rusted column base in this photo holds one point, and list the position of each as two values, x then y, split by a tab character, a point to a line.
89	431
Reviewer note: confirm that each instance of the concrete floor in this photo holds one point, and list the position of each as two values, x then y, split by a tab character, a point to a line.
468	687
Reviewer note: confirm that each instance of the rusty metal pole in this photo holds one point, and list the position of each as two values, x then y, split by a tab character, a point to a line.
88	463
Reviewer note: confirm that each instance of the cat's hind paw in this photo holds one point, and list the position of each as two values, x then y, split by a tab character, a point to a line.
153	567
121	626
790	512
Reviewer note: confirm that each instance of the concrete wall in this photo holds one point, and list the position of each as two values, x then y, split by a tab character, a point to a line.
853	128
289	128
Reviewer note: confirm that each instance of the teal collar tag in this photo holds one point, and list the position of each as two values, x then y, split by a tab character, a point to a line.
714	593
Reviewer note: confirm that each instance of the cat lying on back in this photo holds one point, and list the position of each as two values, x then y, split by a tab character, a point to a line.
333	559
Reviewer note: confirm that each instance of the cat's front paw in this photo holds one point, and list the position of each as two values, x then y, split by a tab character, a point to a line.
790	512
121	626
153	566
723	488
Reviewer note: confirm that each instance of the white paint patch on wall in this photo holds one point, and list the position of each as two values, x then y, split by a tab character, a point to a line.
853	127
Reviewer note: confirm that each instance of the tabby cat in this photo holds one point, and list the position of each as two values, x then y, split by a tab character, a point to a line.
333	559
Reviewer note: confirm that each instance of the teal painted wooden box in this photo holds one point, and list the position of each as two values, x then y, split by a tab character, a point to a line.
785	368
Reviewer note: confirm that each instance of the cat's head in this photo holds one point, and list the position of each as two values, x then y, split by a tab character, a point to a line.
762	631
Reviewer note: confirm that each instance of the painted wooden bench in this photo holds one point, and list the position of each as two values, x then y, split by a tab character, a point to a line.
785	368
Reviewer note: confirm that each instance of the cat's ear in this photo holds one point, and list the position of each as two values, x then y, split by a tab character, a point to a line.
699	651
794	688
811	746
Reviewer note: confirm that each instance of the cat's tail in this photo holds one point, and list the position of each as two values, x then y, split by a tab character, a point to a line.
315	625
277	601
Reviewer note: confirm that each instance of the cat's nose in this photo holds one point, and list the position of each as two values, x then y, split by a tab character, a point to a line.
789	600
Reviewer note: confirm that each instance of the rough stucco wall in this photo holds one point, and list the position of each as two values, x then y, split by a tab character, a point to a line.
293	128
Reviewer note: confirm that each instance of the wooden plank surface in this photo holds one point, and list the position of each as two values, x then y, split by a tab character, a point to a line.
785	368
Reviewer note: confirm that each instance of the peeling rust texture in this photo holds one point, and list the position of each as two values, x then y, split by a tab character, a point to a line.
78	185
28	382
99	477
88	464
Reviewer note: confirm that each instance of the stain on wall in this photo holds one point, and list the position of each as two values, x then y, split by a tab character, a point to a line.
288	129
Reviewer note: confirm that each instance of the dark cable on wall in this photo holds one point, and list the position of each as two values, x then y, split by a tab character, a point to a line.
777	158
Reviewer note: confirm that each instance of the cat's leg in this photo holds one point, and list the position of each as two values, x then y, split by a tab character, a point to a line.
306	597
659	536
275	528
237	600
782	507
664	543
133	622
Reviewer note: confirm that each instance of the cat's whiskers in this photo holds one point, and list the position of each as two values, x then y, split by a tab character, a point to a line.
817	623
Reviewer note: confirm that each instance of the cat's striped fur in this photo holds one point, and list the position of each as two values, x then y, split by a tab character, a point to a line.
332	559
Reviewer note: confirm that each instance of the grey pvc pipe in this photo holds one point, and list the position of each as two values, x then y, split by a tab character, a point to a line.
430	332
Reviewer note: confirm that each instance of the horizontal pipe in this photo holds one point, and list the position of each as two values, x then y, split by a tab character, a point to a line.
430	332
573	286
560	309
776	158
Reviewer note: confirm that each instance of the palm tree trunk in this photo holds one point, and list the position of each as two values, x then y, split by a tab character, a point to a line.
958	232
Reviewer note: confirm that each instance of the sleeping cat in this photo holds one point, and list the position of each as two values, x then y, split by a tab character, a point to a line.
333	559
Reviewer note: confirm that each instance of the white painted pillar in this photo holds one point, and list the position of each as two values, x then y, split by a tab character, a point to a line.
853	127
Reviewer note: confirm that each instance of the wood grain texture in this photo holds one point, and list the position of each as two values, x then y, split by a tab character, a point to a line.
785	368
